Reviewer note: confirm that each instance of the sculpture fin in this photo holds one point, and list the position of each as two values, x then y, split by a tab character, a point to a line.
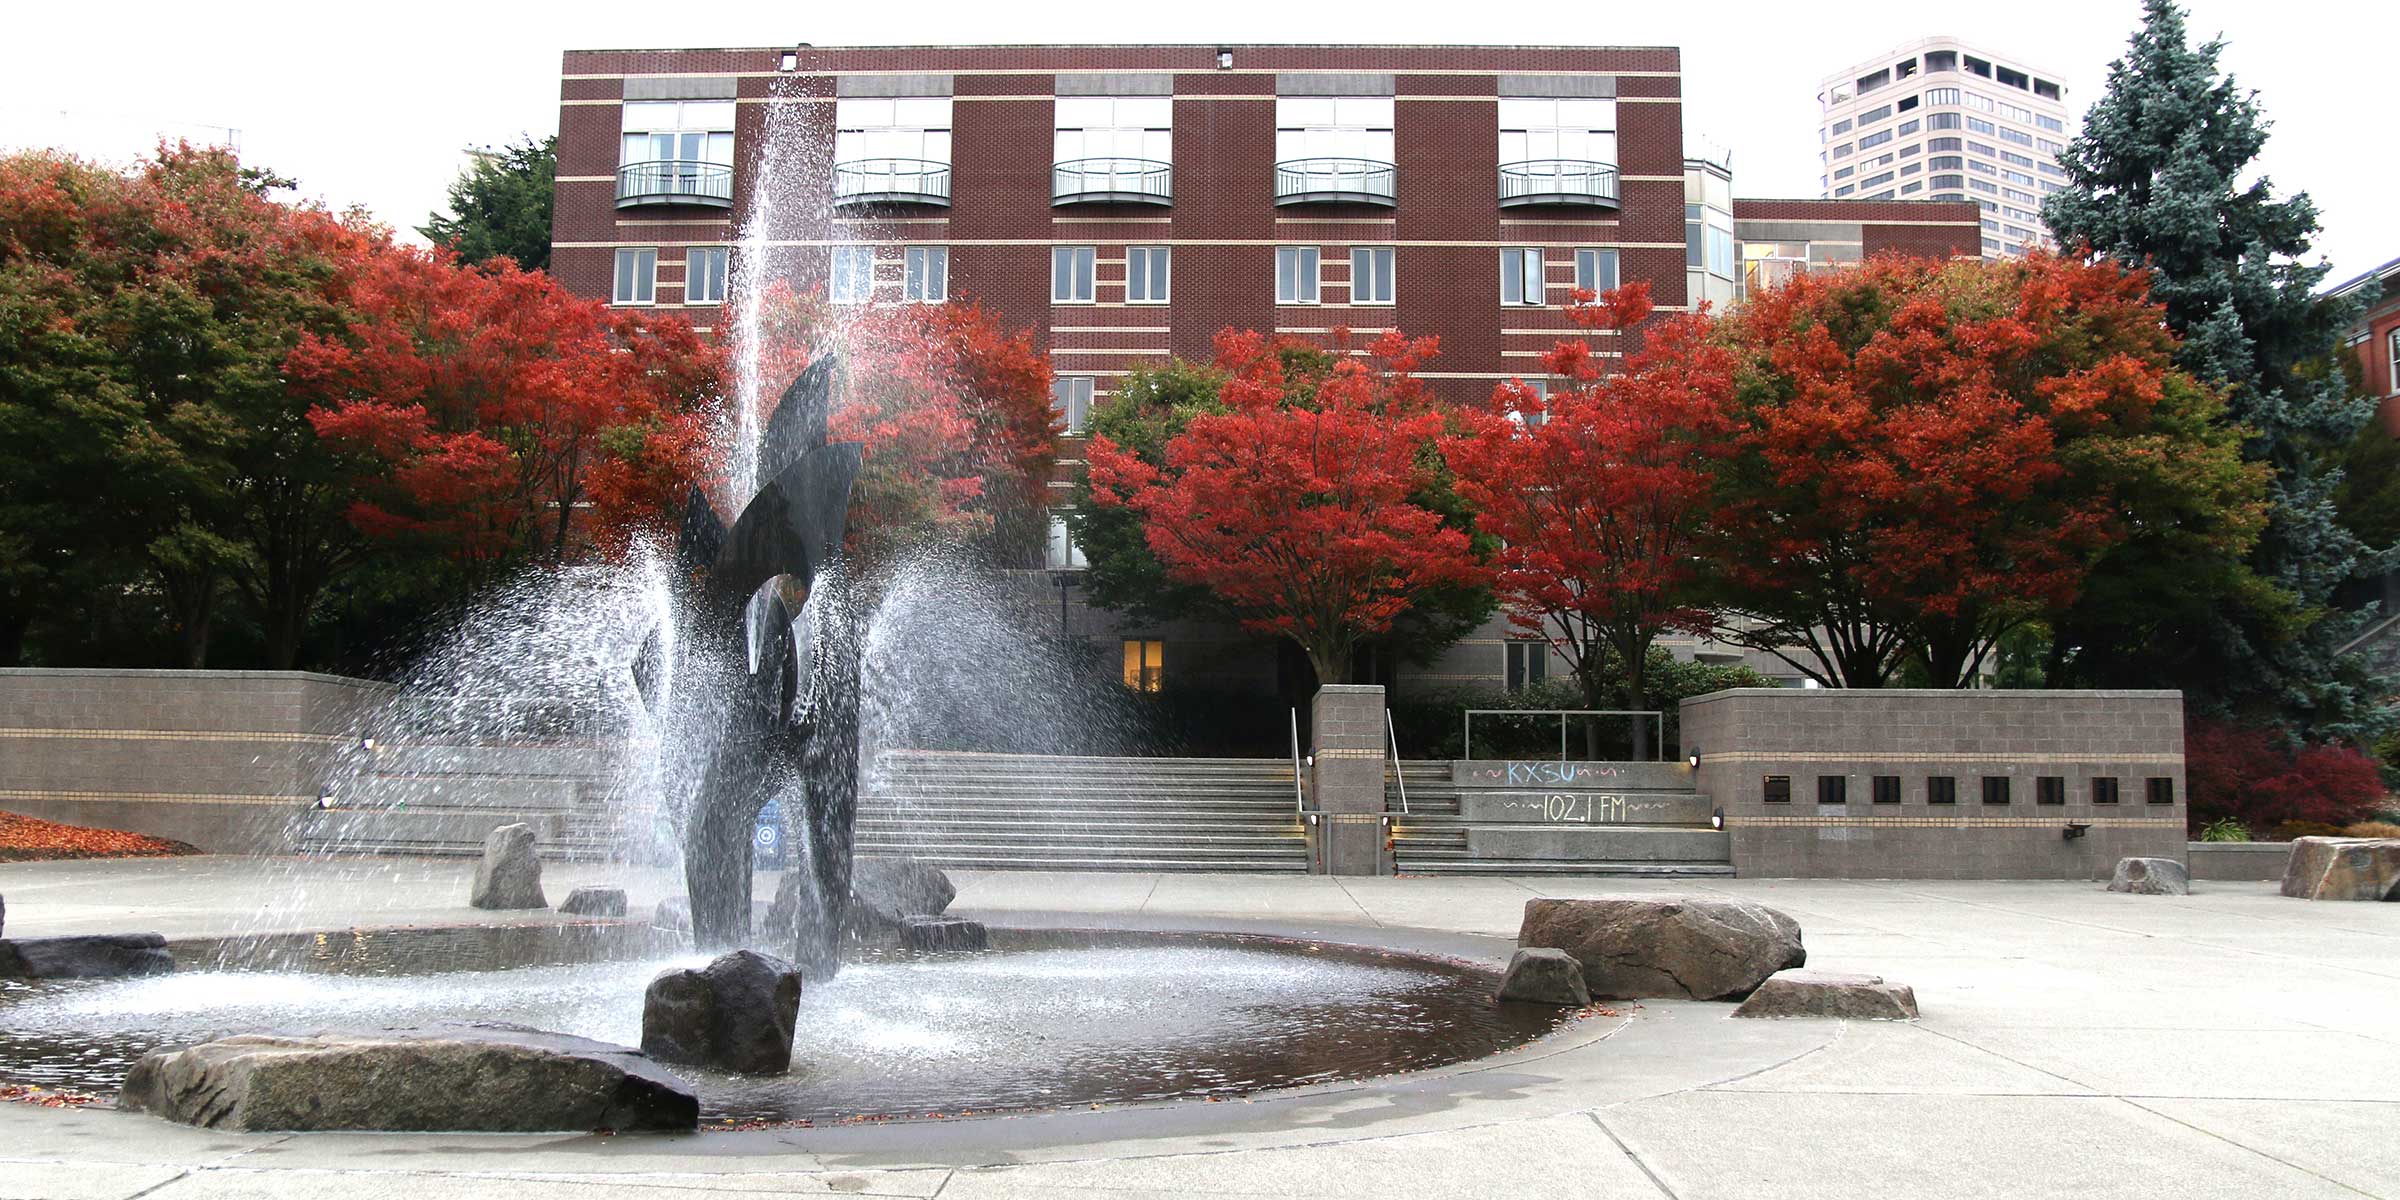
793	526
649	669
701	539
797	425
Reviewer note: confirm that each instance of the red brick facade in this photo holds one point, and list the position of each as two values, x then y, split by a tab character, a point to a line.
2375	337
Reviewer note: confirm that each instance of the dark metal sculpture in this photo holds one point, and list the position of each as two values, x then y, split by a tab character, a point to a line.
766	673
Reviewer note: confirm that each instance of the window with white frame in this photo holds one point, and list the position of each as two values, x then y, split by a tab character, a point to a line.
1528	663
1575	130
1541	399
926	274
1595	271
677	131
1371	275
1063	554
1071	399
1071	274
1147	273
1333	127
1295	275
1521	279
1708	239
2394	365
704	275
1122	128
913	128
637	275
853	274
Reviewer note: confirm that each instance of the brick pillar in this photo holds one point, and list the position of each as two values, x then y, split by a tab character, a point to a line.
1346	782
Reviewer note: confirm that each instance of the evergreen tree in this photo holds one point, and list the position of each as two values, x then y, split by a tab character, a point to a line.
2156	179
501	205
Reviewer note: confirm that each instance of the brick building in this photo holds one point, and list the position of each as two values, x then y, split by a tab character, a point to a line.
2375	337
1128	202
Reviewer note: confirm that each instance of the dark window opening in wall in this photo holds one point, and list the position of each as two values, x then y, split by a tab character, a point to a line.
2045	89
1979	67
1887	789
2050	789
2015	79
1779	789
1903	70
1145	665
1833	789
2162	789
2104	789
1868	83
1528	663
1995	789
1941	60
1941	789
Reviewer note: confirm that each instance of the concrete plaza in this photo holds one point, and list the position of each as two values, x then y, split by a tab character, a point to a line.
2231	1043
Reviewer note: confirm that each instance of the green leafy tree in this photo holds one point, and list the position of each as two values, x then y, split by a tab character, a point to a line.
2157	179
500	205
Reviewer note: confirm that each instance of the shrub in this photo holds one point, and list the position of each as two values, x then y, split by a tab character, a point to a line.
2252	776
2225	829
2373	829
2292	831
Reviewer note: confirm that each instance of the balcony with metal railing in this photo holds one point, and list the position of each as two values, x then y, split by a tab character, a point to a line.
675	181
891	181
1112	181
1570	181
1337	181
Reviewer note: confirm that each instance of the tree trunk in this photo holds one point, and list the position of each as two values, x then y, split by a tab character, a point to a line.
1637	691
195	603
12	637
1332	665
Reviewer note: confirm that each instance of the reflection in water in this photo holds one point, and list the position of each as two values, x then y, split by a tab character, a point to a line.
1130	1019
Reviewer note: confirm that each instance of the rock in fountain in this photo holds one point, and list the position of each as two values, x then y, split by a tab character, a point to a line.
510	875
765	675
594	902
738	1013
943	934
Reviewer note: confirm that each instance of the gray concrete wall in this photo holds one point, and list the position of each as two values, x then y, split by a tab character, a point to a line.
1346	774
2228	862
1748	736
225	760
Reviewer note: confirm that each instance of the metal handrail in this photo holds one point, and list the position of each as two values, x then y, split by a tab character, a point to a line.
675	180
1299	180
905	180
1558	181
1142	180
1391	734
1467	722
1299	797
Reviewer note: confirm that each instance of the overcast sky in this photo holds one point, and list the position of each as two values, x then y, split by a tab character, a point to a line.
373	103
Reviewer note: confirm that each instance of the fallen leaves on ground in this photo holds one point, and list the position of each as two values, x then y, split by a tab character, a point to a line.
46	1097
31	839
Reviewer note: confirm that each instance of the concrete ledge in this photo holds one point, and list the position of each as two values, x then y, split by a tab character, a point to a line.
2228	861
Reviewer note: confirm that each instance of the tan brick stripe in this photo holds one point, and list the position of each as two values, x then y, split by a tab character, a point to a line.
1964	822
173	735
158	797
1899	756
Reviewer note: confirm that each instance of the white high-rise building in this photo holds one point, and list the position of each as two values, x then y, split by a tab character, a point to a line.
1938	119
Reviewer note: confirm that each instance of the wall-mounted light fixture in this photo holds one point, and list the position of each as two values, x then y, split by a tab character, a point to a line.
366	742
1224	58
1691	758
1716	820
2075	829
324	799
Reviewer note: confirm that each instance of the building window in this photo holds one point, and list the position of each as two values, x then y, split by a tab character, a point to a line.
1995	789
1111	134
853	274
2162	789
2104	789
1778	789
1145	665
1071	398
2049	789
1944	121
912	129
1941	789
1371	275
928	276
1558	130
1887	789
678	135
1295	275
1708	238
1595	271
1333	127
1071	274
1833	789
704	275
1528	663
2394	364
1147	269
1063	554
637	276
1521	280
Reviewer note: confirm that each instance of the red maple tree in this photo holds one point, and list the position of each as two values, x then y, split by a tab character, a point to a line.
1601	493
1296	507
495	416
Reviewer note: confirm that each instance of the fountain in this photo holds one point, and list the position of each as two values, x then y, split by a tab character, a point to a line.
760	682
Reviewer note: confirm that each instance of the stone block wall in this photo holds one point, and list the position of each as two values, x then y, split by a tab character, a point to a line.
1346	781
225	760
2054	750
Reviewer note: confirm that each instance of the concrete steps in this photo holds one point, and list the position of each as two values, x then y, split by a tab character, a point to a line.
1433	837
424	797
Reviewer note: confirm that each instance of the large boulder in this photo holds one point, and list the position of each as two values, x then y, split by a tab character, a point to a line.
2151	877
597	902
887	891
1545	976
1699	948
943	933
510	875
2336	868
737	1013
1830	994
460	1077
673	914
86	956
